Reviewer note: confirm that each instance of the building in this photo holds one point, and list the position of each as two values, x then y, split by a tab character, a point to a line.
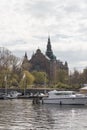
45	63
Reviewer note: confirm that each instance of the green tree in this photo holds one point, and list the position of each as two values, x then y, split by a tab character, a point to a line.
40	78
27	79
62	86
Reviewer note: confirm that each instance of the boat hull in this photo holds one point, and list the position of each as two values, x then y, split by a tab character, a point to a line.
66	101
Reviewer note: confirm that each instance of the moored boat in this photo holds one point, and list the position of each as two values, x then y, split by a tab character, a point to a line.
1	95
11	95
65	98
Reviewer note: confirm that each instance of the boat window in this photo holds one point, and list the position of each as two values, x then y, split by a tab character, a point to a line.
63	93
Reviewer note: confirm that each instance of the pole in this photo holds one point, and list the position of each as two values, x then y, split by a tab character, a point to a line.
5	85
24	77
24	87
45	83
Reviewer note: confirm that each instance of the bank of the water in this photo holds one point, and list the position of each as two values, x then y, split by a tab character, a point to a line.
32	90
27	91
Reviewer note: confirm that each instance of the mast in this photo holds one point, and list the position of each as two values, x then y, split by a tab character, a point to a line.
45	83
5	85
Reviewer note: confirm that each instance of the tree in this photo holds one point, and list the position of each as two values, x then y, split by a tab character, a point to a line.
62	76
27	79
9	67
84	75
40	78
75	79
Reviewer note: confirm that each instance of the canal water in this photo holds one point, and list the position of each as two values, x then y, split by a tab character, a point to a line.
23	115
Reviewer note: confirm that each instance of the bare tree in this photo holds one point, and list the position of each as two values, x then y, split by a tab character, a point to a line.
7	59
10	66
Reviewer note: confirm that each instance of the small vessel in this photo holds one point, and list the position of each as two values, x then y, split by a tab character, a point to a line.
1	95
11	95
65	98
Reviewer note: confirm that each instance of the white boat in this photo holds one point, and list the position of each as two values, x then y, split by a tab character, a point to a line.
65	98
11	95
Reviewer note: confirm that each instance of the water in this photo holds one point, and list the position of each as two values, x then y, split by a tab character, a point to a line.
22	115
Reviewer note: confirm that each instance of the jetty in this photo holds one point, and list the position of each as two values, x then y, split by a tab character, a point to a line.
36	99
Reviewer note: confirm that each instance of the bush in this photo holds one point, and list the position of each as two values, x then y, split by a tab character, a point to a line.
62	86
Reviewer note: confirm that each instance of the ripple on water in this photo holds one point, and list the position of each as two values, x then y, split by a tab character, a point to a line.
22	115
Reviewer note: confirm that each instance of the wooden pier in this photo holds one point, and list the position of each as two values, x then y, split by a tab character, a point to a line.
36	99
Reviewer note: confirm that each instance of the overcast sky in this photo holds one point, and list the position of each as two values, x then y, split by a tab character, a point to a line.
26	24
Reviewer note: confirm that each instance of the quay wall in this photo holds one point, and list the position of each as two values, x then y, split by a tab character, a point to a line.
27	91
31	90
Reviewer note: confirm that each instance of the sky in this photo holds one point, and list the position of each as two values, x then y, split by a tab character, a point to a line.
26	24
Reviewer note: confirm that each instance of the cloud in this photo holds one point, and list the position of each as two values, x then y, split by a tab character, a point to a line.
39	8
25	26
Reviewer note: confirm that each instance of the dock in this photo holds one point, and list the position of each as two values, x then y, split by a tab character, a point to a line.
36	99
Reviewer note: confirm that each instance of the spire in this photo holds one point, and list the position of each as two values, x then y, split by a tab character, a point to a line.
25	55
49	52
49	44
66	65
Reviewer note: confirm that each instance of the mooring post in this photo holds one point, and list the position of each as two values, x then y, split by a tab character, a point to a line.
36	100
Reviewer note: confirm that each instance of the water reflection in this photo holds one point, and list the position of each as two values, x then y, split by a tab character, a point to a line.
42	117
22	115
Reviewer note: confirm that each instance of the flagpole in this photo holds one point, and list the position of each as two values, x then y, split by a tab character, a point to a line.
5	85
24	88
45	83
24	83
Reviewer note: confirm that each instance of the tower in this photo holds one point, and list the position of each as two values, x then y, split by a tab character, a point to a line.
49	51
25	63
25	57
